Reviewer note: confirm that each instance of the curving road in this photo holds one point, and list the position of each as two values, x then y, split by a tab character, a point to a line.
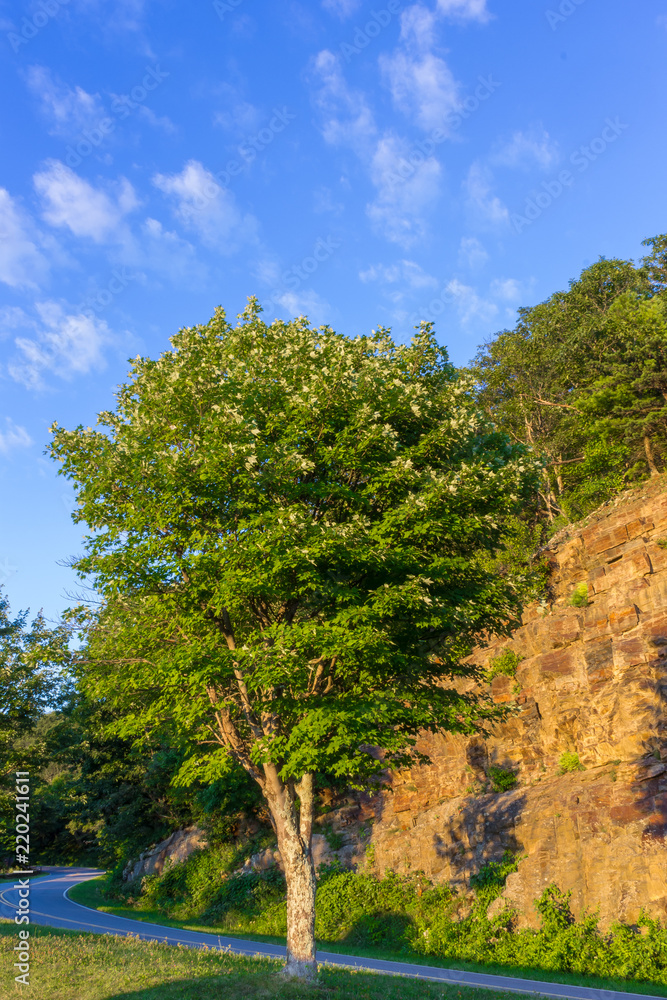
50	906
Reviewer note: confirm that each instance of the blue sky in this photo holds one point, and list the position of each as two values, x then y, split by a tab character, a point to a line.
363	164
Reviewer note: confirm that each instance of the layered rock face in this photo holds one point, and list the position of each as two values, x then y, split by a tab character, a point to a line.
177	847
591	680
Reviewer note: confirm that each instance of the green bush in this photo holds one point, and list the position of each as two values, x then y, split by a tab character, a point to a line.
505	663
569	761
502	780
579	597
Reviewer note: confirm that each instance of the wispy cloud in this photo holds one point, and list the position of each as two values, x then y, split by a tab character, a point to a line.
347	120
485	206
202	205
63	344
465	10
471	252
404	272
342	8
400	209
68	110
421	83
22	264
470	306
404	189
13	436
73	203
527	150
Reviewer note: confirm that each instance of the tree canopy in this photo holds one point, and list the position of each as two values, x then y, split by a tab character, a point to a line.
582	378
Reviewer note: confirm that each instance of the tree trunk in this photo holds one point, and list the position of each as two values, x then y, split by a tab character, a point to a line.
648	448
294	833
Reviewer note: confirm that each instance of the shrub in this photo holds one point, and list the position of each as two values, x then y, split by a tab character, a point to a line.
502	780
579	597
505	663
569	761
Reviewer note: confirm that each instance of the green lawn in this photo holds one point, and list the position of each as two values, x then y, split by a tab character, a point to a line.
70	966
89	894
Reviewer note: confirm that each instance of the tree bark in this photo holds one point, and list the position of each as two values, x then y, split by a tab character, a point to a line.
648	448
294	833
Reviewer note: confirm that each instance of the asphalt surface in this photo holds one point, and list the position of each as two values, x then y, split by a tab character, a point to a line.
50	906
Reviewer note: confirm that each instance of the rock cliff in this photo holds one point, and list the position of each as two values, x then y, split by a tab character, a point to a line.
590	680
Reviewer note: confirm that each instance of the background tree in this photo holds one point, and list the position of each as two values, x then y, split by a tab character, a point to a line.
31	659
582	379
287	531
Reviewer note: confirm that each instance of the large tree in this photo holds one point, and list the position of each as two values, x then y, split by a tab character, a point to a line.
288	530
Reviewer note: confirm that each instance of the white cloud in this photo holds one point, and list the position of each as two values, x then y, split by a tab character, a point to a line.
341	8
165	253
13	437
68	110
406	181
63	344
469	305
405	272
71	202
239	115
22	265
347	119
405	191
507	289
306	303
486	206
526	150
465	10
157	121
421	83
471	252
207	208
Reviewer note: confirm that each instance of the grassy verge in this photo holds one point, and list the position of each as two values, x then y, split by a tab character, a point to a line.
65	964
88	893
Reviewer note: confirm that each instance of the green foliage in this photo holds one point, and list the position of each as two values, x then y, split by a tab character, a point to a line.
334	838
662	542
489	881
579	598
569	761
583	379
505	663
502	780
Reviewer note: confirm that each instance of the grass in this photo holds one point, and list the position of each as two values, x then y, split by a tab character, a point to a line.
68	964
88	893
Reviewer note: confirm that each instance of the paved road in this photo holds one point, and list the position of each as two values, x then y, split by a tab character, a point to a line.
50	905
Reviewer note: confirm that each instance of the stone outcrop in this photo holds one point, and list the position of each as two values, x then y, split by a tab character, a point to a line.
177	847
592	681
